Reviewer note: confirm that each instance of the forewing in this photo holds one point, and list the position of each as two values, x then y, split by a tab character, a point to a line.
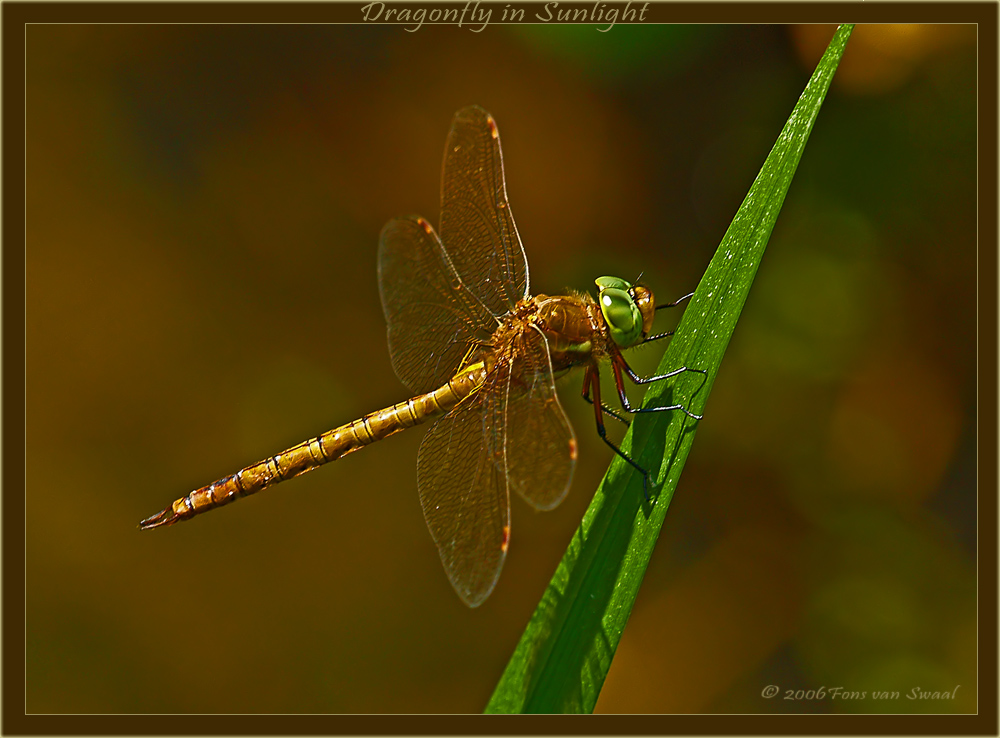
541	448
463	491
431	316
477	226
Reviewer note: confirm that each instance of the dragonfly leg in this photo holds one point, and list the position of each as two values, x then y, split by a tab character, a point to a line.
657	337
618	364
620	360
676	302
593	380
586	396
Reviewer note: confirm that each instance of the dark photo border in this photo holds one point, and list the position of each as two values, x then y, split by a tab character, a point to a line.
16	15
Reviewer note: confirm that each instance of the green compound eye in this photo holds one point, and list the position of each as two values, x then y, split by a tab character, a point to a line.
620	310
613	283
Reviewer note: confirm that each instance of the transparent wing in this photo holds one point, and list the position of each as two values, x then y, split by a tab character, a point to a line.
540	445
512	433
431	316
463	490
476	223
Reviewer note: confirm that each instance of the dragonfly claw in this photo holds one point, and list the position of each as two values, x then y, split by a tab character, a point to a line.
161	520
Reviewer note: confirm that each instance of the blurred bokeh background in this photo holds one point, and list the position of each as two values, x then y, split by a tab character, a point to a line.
204	204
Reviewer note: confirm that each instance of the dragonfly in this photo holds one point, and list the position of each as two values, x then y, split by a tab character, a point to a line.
480	355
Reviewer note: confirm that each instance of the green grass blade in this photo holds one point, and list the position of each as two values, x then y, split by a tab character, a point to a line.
564	655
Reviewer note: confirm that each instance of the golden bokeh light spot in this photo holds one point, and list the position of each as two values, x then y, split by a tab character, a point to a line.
880	57
895	428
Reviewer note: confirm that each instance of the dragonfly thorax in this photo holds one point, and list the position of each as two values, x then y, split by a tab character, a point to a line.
570	324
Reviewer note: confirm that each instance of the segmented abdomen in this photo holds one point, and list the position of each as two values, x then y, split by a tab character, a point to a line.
323	449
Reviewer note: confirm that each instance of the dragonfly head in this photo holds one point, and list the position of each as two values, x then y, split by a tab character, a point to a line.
627	309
